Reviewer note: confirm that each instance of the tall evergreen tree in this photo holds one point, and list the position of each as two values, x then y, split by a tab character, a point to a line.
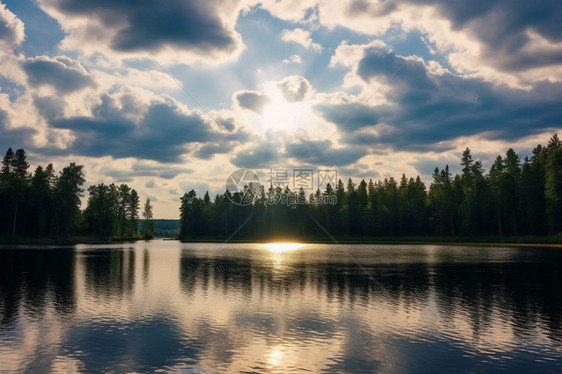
149	219
68	192
41	202
133	212
553	185
15	181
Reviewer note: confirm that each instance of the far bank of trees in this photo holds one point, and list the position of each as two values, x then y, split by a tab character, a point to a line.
47	204
516	197
112	210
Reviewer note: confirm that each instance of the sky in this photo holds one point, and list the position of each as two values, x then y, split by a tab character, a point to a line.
169	96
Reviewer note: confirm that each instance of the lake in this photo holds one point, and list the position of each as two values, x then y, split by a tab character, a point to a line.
206	308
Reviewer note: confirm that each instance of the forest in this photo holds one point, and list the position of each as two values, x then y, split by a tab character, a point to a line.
515	197
47	204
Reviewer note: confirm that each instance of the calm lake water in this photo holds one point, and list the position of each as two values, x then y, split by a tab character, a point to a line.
202	308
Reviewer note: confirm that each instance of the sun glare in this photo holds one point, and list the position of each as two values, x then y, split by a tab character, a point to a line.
280	114
282	247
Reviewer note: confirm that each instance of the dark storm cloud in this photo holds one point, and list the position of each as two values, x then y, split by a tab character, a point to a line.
161	134
149	25
62	73
251	100
426	108
294	88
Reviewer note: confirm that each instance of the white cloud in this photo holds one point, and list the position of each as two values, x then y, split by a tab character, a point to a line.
301	37
295	88
12	31
294	59
291	10
470	37
12	35
349	54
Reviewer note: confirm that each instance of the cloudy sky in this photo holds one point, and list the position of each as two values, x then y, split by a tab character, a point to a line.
172	95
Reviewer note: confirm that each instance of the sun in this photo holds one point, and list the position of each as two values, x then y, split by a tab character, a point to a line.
281	115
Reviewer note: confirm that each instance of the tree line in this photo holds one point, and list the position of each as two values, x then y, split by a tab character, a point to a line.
47	204
514	198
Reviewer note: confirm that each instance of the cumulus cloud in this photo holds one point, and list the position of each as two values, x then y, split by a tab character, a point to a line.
348	54
141	168
322	153
301	37
121	126
264	155
513	42
505	28
252	100
64	74
18	125
425	107
11	28
12	36
50	107
15	138
208	150
292	10
351	116
273	151
294	59
294	88
174	29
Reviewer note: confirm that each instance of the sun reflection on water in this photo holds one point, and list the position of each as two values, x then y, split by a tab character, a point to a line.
275	357
282	247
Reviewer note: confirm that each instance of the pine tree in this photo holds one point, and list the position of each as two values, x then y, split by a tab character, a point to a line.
148	218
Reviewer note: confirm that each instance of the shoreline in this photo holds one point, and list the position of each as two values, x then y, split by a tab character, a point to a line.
546	242
389	242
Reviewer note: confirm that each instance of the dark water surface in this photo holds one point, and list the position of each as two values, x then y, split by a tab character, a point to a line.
166	306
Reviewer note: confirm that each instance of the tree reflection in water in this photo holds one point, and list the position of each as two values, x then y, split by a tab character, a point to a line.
287	307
